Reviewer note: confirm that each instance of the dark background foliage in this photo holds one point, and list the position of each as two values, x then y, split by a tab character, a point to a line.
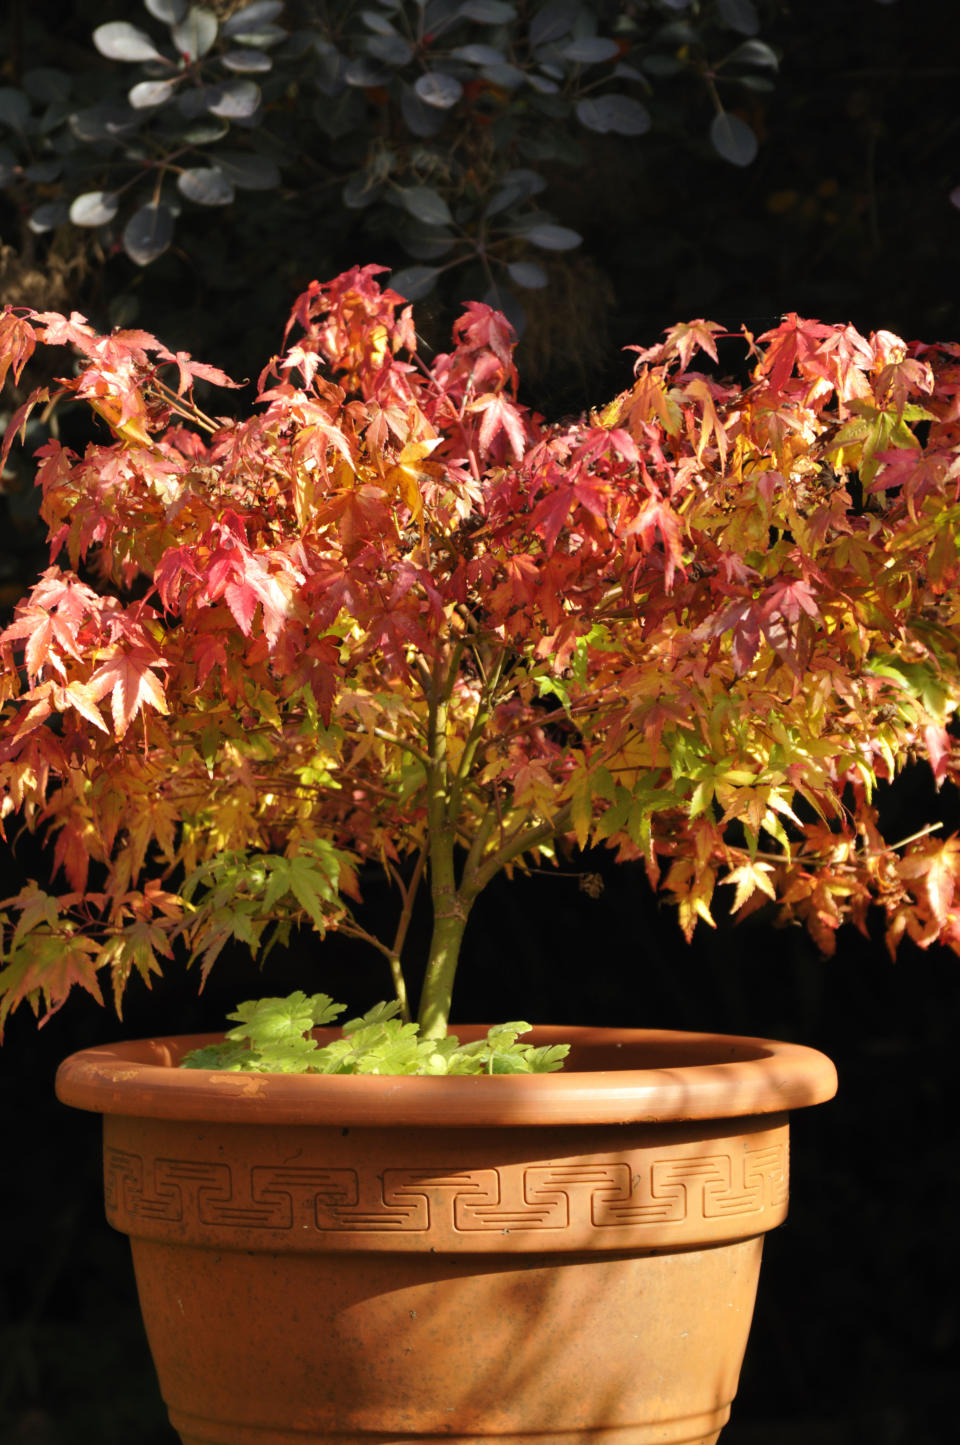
843	215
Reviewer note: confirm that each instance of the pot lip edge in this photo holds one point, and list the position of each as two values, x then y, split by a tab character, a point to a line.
779	1077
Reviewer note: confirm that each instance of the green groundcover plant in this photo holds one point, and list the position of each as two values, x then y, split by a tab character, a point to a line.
394	617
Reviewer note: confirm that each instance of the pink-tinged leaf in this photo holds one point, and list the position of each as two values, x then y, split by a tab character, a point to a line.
481	326
500	415
190	369
657	516
936	867
787	598
682	341
18	422
78	696
127	676
937	742
742	619
793	341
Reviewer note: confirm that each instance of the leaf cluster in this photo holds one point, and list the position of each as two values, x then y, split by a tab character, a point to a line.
273	1036
436	123
393	616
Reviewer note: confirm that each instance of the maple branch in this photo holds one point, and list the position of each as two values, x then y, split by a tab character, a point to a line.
481	718
404	745
469	884
190	411
522	841
860	854
408	892
352	929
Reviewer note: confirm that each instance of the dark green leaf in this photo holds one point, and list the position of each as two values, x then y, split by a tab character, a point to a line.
733	139
507	77
103	122
488	12
361	191
390	49
14	108
528	275
426	205
552	21
376	21
591	50
46	84
414	282
252	17
236	100
48	216
663	65
420	119
204	130
618	113
740	15
365	74
148	233
248	171
438	89
516	185
553	238
424	243
248	61
478	54
753	52
206	185
43	172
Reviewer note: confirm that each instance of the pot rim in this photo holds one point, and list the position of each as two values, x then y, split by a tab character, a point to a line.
619	1076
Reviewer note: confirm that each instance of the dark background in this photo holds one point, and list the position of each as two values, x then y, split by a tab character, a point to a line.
845	215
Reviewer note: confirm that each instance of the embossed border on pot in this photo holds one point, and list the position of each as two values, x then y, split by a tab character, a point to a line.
312	1188
613	1076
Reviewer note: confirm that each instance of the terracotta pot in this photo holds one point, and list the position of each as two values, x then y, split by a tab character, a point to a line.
560	1258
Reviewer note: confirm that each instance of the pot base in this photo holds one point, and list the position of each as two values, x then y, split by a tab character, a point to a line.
387	1348
705	1430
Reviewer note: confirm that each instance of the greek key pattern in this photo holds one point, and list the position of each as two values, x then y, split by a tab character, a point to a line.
586	1198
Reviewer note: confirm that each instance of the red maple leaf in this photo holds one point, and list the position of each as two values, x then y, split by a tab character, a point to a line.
499	414
793	341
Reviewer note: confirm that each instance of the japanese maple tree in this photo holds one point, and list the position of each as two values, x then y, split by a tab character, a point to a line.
393	616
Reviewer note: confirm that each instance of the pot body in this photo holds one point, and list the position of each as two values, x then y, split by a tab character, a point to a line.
317	1281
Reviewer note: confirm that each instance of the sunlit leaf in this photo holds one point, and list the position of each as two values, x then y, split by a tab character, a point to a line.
94	208
195	34
118	40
